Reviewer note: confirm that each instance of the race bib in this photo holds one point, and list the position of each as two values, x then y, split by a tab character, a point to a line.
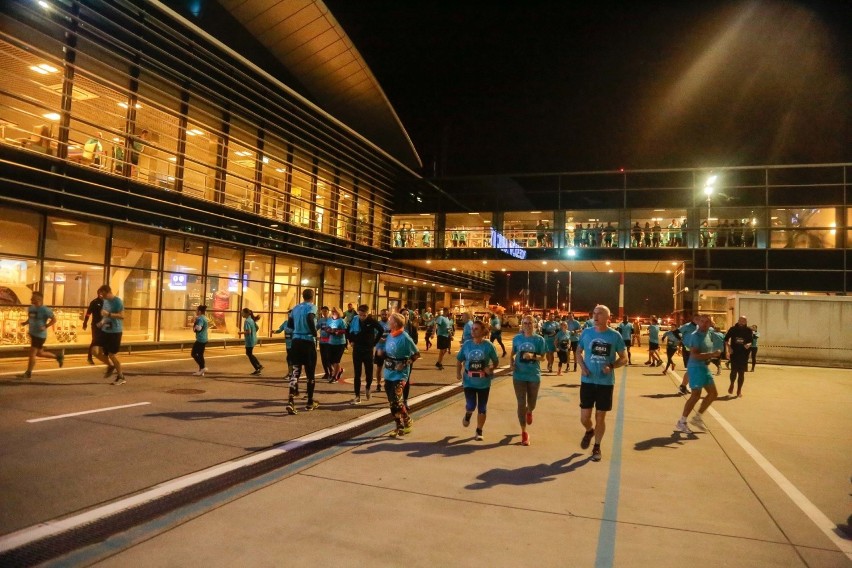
476	365
601	349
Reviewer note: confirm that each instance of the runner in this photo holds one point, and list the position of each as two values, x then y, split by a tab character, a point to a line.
443	327
625	328
293	372
497	332
112	326
603	351
336	325
684	330
549	329
200	327
563	346
429	324
672	343
324	338
476	361
400	354
363	334
527	352
701	350
574	329
249	334
754	335
738	342
302	321
39	318
94	310
654	358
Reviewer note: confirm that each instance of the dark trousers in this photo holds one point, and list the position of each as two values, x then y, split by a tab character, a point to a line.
252	359
738	369
198	353
362	357
753	358
305	356
324	358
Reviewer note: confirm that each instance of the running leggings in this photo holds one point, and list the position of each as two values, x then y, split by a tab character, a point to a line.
362	357
252	359
526	393
198	353
476	398
394	390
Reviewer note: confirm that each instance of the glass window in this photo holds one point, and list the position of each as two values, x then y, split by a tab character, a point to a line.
527	228
592	228
138	289
182	293
352	280
223	305
310	276
30	93
224	261
419	230
285	289
258	267
154	151
135	249
364	227
240	187
203	146
803	228
183	255
273	184
75	240
728	227
71	284
324	203
18	278
346	209
21	230
657	227
300	201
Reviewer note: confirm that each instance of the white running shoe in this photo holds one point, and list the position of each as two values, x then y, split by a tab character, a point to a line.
682	427
697	421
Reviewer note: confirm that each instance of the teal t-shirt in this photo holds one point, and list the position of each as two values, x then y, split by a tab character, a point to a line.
37	319
442	326
250	332
527	370
754	336
671	340
476	357
626	330
467	331
336	331
300	320
574	330
399	349
600	348
113	325
703	342
654	333
201	325
563	340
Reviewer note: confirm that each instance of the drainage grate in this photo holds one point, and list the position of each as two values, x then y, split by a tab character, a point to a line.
185	391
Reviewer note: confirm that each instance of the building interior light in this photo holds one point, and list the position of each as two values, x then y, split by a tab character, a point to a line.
52	116
125	105
44	69
64	223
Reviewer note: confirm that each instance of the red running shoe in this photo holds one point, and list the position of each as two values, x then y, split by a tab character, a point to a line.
525	439
529	417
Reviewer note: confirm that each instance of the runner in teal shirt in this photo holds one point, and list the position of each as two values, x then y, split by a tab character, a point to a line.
527	352
477	360
39	318
200	327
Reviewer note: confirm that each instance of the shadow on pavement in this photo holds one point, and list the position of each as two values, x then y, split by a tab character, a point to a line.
671	442
539	473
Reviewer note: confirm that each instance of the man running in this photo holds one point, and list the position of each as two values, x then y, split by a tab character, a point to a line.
738	342
39	318
625	328
200	327
112	325
603	351
701	350
94	311
497	332
443	327
549	329
302	321
379	357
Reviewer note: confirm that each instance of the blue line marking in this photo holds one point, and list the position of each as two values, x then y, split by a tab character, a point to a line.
606	537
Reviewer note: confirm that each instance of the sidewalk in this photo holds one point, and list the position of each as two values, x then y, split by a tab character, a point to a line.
437	497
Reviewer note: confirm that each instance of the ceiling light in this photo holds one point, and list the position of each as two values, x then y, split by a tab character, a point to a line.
51	116
503	270
64	223
484	262
611	270
453	269
44	69
608	263
544	262
674	264
555	270
428	262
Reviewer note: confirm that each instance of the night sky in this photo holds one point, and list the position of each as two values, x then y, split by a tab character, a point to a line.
491	87
534	86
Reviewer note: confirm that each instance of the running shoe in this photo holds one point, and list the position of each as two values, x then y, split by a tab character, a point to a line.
311	406
367	393
291	409
596	454
529	417
683	390
256	372
731	389
60	358
119	380
587	439
339	374
109	371
398	433
682	427
525	439
466	420
478	436
356	400
24	375
90	361
439	366
697	421
199	373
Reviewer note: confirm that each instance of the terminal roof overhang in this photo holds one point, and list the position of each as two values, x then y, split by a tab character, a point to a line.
308	40
559	265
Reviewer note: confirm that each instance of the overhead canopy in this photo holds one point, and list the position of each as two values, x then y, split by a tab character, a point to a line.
307	39
559	265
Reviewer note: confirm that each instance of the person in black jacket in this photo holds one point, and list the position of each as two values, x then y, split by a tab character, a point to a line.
94	312
363	333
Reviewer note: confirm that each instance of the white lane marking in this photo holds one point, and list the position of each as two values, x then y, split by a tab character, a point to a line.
58	416
50	528
814	514
133	363
808	508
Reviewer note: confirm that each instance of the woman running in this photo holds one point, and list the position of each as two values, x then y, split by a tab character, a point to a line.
477	360
527	352
336	344
249	333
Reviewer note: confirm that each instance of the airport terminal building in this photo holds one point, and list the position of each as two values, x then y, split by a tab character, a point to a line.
237	155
